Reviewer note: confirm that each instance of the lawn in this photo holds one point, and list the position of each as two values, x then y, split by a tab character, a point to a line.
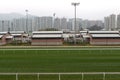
60	61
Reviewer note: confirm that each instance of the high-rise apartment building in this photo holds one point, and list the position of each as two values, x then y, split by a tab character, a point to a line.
118	21
41	23
78	24
45	22
112	22
63	23
36	23
4	25
22	24
57	24
69	25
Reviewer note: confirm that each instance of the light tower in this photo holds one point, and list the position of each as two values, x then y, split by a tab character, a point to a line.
26	20
53	20
75	4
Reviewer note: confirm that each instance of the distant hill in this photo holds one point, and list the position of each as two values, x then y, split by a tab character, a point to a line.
10	16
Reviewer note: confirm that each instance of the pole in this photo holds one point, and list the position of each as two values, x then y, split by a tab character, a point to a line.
26	21
59	77
11	26
2	25
53	21
75	4
16	76
75	27
82	76
38	76
103	76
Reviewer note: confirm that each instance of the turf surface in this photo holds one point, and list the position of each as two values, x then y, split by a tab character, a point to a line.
59	60
83	60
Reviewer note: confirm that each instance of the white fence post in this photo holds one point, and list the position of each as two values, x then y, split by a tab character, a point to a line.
16	76
59	77
82	76
38	76
103	76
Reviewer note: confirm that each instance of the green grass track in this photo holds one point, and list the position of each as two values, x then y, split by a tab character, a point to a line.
59	60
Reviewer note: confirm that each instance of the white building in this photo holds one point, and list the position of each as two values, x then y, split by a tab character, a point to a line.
21	24
69	25
4	25
63	23
57	23
118	21
78	24
106	23
112	22
20	36
45	22
36	23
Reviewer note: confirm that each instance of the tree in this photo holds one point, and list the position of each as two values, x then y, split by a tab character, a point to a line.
49	29
95	27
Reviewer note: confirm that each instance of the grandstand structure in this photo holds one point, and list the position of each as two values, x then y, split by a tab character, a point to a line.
104	37
47	38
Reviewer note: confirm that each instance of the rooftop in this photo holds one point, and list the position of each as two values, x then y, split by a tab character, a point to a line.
17	32
105	35
2	33
103	32
47	32
47	36
9	37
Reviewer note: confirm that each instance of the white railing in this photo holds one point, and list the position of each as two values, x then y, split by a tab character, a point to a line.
60	74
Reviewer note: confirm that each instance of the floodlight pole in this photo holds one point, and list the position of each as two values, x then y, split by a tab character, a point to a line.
53	20
2	25
75	4
26	20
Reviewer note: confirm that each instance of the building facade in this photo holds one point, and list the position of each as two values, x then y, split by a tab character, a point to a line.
4	25
47	38
63	23
110	22
106	23
104	37
118	21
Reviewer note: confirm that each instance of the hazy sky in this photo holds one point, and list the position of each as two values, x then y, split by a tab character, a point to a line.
88	9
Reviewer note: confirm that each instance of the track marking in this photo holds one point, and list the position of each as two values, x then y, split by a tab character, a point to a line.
68	49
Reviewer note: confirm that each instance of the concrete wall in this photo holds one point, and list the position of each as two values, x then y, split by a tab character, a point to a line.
3	41
47	42
105	41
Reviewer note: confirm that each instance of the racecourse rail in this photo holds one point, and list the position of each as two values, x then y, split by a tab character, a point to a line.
59	74
63	48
